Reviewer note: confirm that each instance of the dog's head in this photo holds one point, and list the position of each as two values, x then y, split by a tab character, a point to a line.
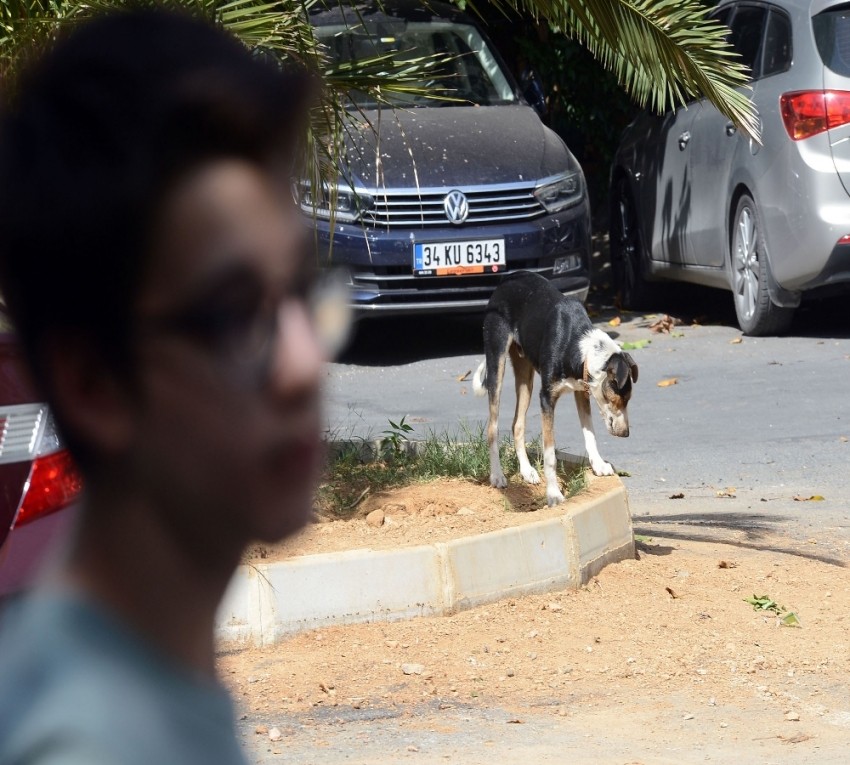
613	389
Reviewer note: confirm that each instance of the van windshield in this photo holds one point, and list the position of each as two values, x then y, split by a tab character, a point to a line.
457	66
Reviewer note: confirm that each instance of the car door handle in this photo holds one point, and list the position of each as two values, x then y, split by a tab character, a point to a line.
731	129
684	139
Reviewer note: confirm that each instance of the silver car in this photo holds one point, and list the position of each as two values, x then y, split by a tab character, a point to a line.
694	200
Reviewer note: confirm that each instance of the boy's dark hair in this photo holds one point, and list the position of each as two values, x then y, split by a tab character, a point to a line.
99	131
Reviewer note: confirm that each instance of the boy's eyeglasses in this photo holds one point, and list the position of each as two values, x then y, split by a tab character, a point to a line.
240	329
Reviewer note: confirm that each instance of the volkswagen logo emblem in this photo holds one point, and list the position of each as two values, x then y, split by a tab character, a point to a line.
456	207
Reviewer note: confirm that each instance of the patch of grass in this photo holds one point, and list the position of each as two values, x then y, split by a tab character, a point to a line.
356	471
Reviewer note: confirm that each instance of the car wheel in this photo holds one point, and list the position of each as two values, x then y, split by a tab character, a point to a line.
757	313
627	253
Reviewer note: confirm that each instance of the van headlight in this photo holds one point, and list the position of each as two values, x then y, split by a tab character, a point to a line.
339	203
560	192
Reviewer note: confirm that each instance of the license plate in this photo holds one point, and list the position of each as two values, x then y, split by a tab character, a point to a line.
453	258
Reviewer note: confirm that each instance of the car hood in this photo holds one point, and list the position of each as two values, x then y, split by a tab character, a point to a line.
453	146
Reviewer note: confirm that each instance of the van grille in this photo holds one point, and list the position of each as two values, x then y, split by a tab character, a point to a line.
424	208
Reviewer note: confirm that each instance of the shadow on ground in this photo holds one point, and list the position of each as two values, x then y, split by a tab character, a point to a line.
386	341
760	532
826	318
394	340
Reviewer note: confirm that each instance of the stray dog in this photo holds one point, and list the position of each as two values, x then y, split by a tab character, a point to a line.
543	330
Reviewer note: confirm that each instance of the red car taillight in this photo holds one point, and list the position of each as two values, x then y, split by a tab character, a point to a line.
54	483
808	112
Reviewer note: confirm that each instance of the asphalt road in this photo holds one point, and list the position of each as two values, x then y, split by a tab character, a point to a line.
750	424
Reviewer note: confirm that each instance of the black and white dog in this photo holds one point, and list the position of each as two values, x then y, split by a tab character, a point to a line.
543	330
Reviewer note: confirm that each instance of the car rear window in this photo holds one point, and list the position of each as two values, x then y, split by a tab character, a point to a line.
832	34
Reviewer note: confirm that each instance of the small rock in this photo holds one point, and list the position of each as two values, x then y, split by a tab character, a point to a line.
275	734
531	634
261	730
556	607
724	725
412	748
391	643
465	511
412	669
792	716
376	518
510	673
688	717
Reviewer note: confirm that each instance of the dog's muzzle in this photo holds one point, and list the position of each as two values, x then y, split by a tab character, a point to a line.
618	426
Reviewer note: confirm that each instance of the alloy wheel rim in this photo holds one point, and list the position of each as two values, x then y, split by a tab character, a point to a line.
746	263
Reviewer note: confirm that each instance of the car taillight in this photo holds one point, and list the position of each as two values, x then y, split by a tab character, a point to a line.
54	483
808	112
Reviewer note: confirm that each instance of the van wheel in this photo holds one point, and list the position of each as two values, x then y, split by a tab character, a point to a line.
757	313
627	252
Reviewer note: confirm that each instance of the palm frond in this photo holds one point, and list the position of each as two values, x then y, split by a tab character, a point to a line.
663	52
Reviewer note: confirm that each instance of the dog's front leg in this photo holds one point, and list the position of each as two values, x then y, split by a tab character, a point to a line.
553	490
597	464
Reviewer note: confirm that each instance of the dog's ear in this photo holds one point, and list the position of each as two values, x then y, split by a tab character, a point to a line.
620	367
618	370
633	368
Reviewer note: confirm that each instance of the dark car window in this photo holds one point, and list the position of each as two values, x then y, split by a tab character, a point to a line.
747	34
722	16
832	33
777	44
457	63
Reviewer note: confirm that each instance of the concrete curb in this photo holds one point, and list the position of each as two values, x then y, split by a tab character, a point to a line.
266	602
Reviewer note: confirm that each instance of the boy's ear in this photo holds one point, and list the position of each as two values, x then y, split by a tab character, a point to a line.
92	402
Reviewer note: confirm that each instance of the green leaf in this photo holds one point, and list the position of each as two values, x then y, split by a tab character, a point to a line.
791	620
636	345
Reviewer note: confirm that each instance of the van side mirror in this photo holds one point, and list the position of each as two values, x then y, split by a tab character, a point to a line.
532	91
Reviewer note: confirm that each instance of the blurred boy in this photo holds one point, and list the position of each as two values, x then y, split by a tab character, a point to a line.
158	276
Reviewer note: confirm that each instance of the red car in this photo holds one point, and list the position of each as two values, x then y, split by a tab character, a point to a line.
37	476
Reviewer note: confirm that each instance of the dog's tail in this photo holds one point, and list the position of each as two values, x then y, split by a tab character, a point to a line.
479	379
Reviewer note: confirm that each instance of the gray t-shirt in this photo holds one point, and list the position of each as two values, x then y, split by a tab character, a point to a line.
77	687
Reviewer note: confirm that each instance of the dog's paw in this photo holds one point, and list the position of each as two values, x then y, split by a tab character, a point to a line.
530	475
602	468
554	497
498	480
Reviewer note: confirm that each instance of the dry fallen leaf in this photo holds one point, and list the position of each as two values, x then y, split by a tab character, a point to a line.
736	340
665	324
668	382
615	322
729	492
673	593
813	498
679	495
465	376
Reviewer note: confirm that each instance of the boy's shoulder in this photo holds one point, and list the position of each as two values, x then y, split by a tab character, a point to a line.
75	683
